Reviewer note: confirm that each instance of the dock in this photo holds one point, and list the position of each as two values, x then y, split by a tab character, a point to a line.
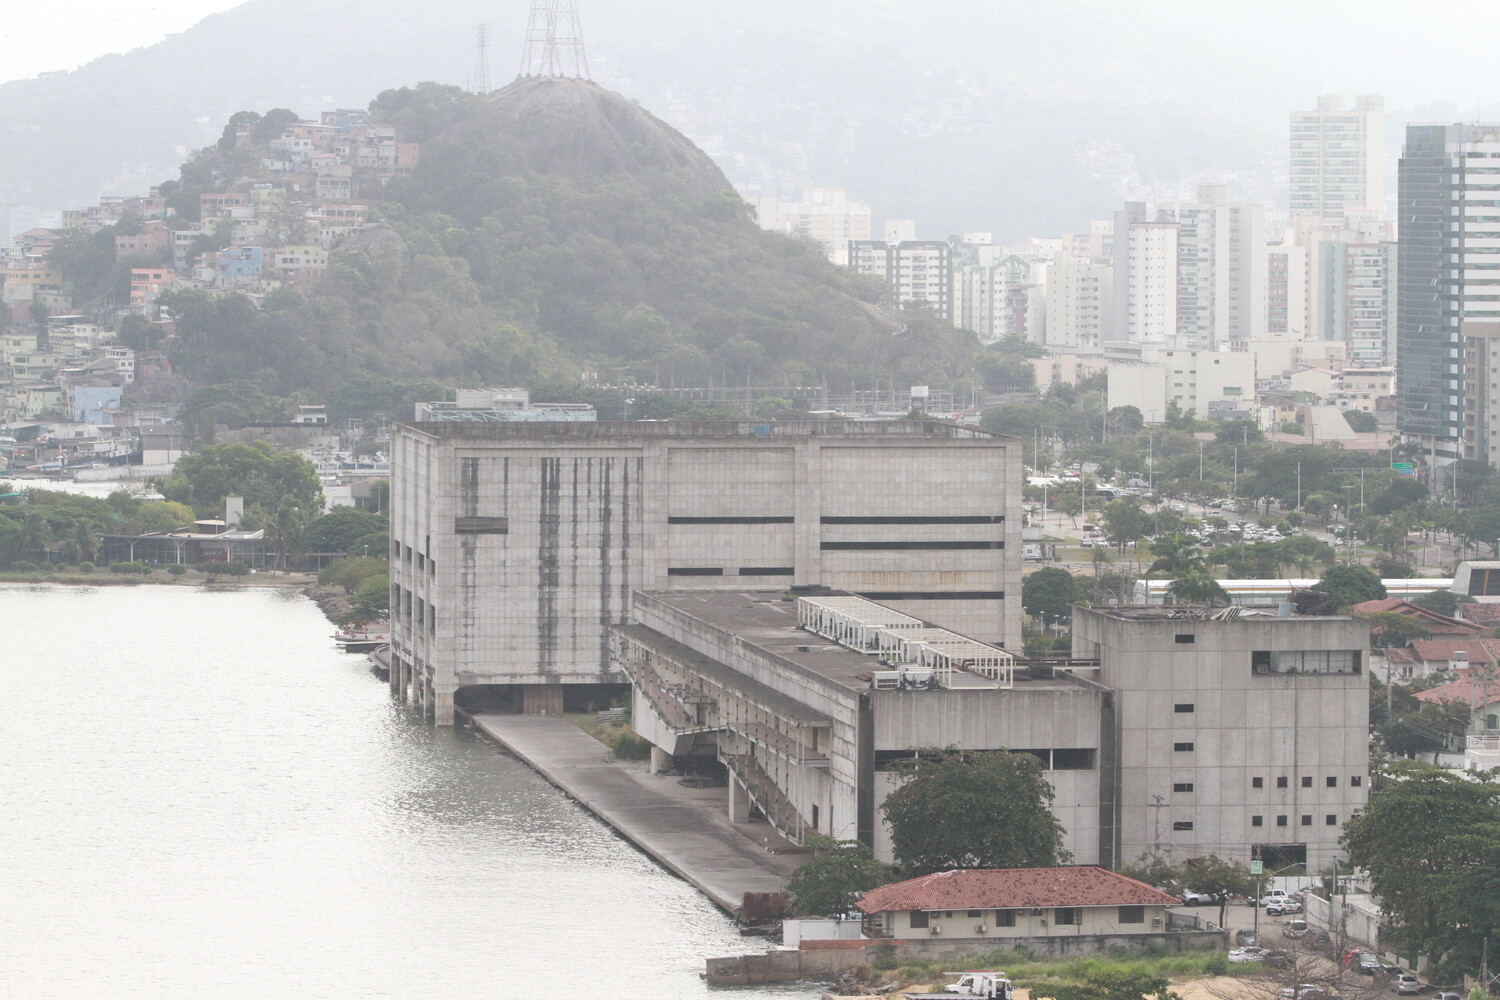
675	826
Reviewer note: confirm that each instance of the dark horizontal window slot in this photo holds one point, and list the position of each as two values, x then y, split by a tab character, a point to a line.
765	571
919	519
926	595
730	520
873	546
695	571
481	525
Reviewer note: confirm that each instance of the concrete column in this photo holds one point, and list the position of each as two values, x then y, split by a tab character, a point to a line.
442	707
660	760
739	802
393	676
541	699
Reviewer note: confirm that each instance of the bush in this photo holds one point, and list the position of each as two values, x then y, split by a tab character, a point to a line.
85	567
22	566
235	568
629	746
130	567
177	569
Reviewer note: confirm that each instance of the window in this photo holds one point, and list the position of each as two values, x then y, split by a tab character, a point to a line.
1183	786
1184	747
1307	821
1281	782
1067	916
1307	781
1132	915
1281	821
695	571
1305	661
1330	820
815	816
1332	782
1005	918
1257	782
1183	824
1182	707
919	918
976	913
1356	780
1185	638
1257	821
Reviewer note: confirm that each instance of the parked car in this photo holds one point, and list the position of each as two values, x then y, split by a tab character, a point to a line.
1283	907
1406	983
1251	954
1274	896
1294	928
1200	898
1302	991
1447	995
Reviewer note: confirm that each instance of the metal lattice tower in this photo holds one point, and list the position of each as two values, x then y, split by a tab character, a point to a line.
480	82
554	41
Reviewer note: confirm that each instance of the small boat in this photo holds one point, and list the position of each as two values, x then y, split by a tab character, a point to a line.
362	640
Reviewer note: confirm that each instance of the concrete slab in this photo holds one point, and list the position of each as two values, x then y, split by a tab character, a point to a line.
681	832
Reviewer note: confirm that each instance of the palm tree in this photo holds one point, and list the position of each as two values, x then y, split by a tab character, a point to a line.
1198	588
285	528
36	536
1176	556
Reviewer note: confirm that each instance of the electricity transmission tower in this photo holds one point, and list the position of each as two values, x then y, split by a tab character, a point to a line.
554	41
479	83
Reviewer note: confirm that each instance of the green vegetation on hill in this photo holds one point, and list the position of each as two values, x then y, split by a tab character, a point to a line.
551	230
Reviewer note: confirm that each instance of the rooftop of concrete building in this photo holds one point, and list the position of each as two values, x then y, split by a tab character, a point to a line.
767	619
1205	612
929	429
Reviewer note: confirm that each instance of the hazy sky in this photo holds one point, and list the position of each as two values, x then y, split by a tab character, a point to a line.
40	36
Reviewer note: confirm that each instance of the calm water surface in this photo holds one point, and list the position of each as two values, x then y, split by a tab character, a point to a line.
203	798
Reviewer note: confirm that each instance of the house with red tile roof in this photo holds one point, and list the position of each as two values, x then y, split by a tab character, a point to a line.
1009	903
1478	688
1438	625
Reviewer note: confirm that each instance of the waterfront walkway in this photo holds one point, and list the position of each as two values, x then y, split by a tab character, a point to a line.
684	832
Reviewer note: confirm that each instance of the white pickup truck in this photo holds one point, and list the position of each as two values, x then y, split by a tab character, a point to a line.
991	985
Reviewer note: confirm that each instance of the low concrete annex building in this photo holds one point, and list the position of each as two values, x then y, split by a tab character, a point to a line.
516	546
1240	732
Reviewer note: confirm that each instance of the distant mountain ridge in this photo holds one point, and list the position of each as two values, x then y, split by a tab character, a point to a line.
961	115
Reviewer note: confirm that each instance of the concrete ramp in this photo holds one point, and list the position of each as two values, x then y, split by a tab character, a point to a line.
696	843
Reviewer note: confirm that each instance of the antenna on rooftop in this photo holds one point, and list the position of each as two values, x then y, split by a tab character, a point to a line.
480	82
554	41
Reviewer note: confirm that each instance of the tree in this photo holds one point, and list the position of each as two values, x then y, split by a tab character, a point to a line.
265	477
1198	587
1430	840
1115	985
833	878
1361	422
1049	594
1213	874
1155	869
372	599
1125	520
341	528
1444	602
995	809
1175	556
1350	585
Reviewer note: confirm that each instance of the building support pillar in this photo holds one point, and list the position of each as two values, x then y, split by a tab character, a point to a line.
442	706
393	674
660	760
541	699
739	801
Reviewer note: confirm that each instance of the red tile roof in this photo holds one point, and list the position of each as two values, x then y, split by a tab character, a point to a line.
1481	651
1479	612
1436	624
1479	687
1011	888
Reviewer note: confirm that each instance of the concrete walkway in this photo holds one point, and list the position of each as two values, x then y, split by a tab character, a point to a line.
687	836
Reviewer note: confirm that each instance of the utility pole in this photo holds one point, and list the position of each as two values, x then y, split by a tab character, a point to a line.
480	83
554	41
1299	485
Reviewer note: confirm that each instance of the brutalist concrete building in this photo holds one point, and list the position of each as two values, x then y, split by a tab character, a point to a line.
1241	732
516	546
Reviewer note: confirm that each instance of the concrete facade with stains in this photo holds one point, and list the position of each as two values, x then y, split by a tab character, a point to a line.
516	546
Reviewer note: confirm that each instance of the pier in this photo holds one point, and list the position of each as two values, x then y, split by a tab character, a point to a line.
674	825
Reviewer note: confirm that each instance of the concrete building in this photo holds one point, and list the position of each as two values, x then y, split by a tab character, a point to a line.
1337	157
1240	733
1221	269
1197	381
824	215
502	406
1448	273
1080	300
916	270
516	545
1145	276
1482	392
1286	292
1357	298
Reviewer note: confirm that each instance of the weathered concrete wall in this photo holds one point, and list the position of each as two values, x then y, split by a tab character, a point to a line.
1198	727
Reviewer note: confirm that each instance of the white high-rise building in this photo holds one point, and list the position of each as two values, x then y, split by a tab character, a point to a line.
1080	297
824	215
1145	276
1221	269
1337	157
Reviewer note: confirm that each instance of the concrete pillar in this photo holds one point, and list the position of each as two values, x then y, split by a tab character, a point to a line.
442	707
660	760
393	675
541	699
739	802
